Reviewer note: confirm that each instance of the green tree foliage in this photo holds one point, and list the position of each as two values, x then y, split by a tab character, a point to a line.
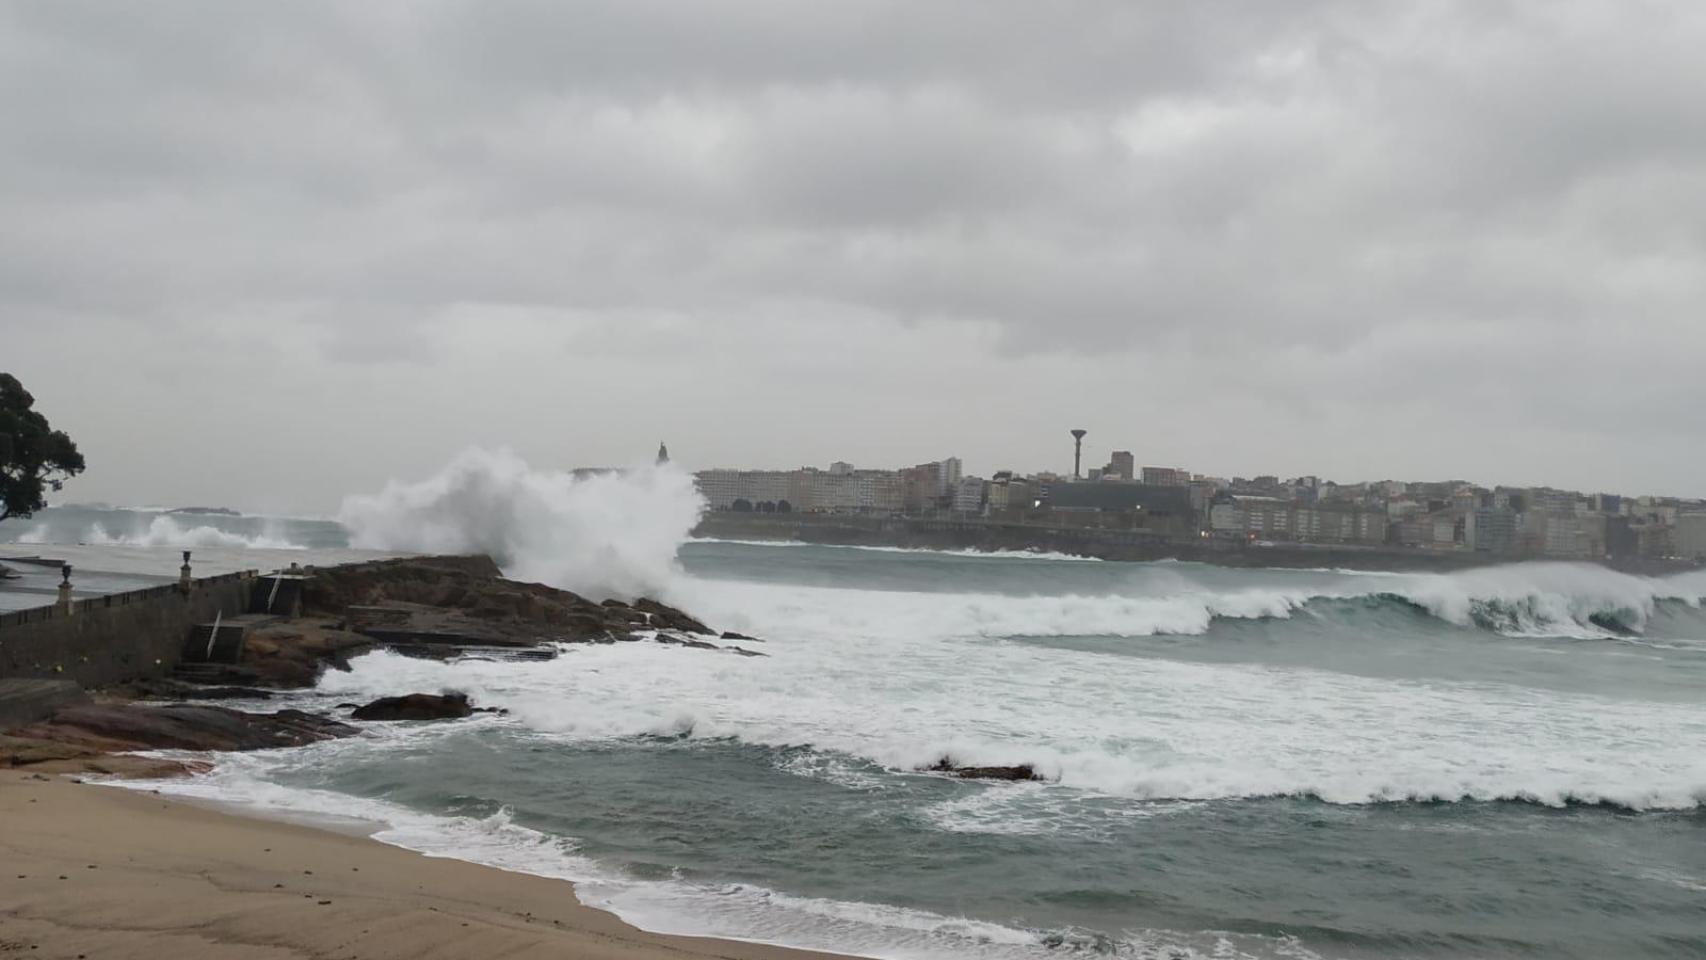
33	455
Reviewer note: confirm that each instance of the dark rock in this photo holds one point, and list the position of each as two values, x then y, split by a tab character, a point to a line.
671	639
24	700
129	726
745	653
416	706
194	692
731	635
1020	772
669	618
169	689
293	654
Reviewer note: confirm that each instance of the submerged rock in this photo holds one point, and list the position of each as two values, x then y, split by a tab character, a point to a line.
670	639
416	706
669	618
1019	772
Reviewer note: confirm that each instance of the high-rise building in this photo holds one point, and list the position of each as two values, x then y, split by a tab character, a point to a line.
1121	465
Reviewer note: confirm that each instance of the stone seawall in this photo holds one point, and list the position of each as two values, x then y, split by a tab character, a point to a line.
1108	544
115	638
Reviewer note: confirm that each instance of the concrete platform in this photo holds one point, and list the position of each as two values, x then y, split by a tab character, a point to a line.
37	583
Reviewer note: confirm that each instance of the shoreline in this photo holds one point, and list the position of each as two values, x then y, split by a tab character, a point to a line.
101	871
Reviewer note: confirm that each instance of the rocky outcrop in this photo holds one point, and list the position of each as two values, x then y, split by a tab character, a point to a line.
668	618
467	600
51	756
167	688
416	706
1020	772
294	653
117	727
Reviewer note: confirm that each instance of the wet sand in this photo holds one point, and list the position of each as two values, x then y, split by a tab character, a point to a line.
96	872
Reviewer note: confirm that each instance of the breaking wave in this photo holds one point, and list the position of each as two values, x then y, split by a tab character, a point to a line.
1147	730
611	533
1527	600
162	531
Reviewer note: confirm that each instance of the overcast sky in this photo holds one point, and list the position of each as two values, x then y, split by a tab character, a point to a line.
264	254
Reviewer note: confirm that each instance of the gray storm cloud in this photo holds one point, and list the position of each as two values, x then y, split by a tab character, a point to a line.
1355	239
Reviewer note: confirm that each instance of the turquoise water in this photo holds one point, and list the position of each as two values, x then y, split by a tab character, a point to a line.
1508	762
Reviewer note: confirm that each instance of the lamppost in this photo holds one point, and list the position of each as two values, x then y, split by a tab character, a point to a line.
65	605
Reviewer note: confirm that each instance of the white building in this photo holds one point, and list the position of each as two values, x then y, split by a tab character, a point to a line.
969	495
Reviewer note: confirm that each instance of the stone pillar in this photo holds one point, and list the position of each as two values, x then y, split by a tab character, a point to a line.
67	607
184	581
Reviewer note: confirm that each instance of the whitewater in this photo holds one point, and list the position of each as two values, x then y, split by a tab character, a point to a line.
1507	761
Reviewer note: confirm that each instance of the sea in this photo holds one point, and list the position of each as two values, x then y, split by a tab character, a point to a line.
1502	762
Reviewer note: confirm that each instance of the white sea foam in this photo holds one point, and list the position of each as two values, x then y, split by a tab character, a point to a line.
604	534
904	679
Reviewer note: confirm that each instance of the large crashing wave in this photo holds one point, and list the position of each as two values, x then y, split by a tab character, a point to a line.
604	534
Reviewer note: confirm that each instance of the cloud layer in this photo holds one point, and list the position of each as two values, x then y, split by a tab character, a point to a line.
1359	239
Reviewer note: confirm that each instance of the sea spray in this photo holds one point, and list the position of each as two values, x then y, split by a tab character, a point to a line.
602	534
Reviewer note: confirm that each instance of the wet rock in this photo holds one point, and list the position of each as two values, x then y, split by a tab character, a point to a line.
670	639
130	726
1019	772
669	618
731	635
168	689
293	654
416	706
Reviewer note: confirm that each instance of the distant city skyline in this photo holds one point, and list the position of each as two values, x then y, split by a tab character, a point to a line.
87	488
245	265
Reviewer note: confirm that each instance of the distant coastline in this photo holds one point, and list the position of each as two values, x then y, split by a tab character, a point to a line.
1106	544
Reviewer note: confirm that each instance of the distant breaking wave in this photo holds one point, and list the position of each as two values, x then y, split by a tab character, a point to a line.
162	531
1527	600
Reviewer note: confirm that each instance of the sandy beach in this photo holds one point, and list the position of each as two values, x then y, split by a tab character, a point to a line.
98	872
